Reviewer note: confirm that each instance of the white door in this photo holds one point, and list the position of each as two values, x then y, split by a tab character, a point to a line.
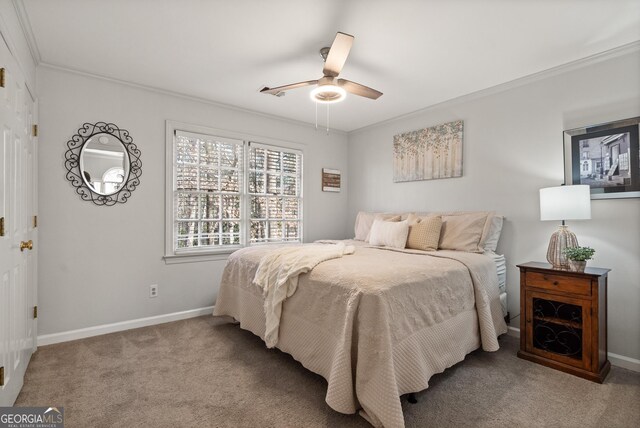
18	240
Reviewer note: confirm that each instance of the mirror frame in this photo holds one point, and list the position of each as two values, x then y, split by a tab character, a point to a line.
72	163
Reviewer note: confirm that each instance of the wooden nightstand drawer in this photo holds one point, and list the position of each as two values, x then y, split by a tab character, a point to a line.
568	284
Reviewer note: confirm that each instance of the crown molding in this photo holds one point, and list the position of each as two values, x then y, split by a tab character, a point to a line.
27	30
626	49
184	96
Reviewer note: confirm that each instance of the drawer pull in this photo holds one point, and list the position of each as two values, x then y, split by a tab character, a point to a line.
546	278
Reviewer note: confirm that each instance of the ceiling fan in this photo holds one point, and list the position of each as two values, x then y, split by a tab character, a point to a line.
330	89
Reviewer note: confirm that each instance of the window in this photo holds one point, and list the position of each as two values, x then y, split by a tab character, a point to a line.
207	191
275	194
228	193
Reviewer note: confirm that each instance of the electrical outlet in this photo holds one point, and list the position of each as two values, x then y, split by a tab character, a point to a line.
153	290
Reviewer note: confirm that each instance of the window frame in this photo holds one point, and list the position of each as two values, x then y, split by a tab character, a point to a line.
209	253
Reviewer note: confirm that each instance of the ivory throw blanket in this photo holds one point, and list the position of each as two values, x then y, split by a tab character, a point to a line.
278	273
376	324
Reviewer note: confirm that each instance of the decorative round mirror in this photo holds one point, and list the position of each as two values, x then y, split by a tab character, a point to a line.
103	164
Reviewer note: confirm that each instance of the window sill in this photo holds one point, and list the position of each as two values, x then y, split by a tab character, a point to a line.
207	256
197	257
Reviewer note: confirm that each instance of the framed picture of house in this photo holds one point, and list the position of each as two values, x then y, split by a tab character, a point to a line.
606	157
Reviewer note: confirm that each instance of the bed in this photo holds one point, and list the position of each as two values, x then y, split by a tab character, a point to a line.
377	323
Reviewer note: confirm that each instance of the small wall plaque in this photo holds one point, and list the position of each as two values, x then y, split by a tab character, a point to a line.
330	180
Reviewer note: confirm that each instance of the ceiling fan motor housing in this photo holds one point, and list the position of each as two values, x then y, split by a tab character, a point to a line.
328	91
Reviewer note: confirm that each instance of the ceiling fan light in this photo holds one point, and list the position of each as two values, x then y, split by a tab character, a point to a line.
328	94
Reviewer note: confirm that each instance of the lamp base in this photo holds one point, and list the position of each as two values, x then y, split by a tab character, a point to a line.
561	239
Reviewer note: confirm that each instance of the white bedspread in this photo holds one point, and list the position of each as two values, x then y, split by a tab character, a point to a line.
376	324
278	274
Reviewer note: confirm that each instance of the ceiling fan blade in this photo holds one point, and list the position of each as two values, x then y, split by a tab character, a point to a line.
358	89
280	89
337	54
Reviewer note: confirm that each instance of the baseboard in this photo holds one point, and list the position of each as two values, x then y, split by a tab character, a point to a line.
615	359
513	332
66	336
624	362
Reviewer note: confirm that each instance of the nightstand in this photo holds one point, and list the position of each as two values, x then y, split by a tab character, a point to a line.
563	319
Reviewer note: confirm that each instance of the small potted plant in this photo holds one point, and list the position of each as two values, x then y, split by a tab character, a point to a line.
578	257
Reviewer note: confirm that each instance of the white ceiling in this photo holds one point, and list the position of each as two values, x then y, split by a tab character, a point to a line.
418	53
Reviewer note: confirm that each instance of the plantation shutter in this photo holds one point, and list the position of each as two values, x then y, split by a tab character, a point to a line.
275	194
208	187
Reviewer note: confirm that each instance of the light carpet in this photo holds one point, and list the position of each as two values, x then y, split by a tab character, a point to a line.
194	373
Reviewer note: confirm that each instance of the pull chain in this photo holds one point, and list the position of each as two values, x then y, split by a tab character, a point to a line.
327	119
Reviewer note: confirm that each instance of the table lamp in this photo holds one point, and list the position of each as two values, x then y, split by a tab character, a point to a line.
564	203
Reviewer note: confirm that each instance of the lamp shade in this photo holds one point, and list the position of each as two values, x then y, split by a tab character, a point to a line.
565	203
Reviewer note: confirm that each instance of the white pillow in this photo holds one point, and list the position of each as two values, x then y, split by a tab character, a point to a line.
491	243
364	221
383	217
389	233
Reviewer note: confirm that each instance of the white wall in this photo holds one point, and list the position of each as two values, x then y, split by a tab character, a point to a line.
96	263
512	147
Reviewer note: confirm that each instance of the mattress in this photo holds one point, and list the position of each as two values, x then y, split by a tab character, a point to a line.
376	324
501	268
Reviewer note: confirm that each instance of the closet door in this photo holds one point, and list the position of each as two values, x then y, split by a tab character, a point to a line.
18	236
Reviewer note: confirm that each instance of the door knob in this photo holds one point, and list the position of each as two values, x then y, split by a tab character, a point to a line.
26	245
